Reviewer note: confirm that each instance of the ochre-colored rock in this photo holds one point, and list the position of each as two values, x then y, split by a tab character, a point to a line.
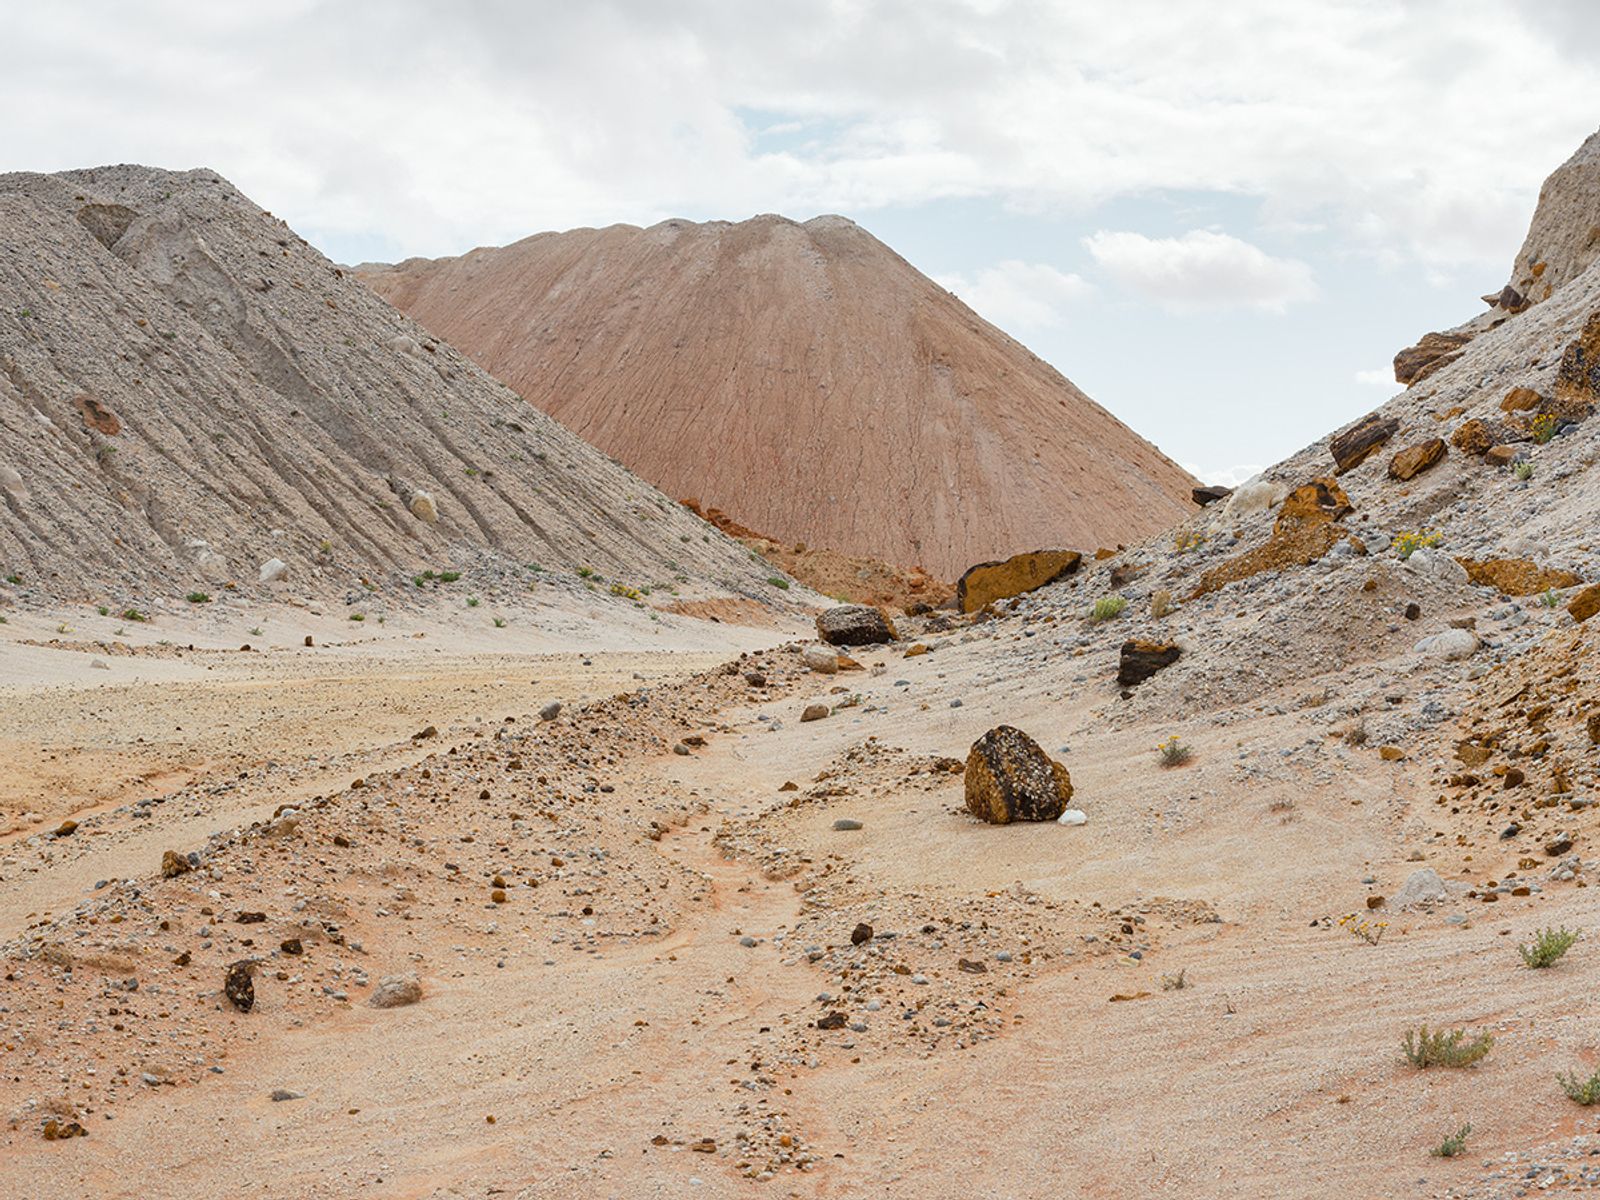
1414	460
174	864
1305	530
1586	603
1578	378
1432	351
1516	576
1141	659
1472	437
1521	399
97	416
991	581
1502	455
1358	443
1008	778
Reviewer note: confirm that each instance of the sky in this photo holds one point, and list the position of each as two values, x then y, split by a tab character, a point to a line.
1219	220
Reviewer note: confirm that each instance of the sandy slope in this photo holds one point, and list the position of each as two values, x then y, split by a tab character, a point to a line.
803	378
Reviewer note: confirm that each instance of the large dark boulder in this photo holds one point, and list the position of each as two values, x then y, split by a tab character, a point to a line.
854	625
1010	779
1141	659
1358	443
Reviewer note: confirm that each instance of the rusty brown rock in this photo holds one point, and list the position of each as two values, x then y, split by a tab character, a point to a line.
174	864
1000	580
1305	530
1414	460
1008	778
1358	443
1432	351
815	712
1578	378
854	625
1585	604
1209	495
1472	437
1516	576
1501	456
97	416
1521	399
1141	659
239	987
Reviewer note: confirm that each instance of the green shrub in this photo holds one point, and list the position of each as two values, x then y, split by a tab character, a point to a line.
1548	947
1452	1145
499	622
102	610
1107	607
1173	752
449	576
1584	1091
585	572
133	614
778	581
1408	542
1523	471
1551	598
1441	1048
472	602
198	597
358	616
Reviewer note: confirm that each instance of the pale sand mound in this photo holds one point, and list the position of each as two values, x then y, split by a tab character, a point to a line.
805	378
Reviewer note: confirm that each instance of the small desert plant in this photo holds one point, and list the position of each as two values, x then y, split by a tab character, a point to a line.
1408	542
1452	1145
778	581
1548	947
1584	1091
13	578
585	572
255	631
1160	603
198	598
1543	428
1355	734
449	576
133	614
499	622
1107	607
358	616
1442	1048
1551	598
102	610
1523	471
1173	752
622	589
473	602
1175	983
324	547
1187	540
1370	932
62	628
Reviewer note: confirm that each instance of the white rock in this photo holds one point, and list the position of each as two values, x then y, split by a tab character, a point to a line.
99	664
1449	645
1423	887
402	343
394	991
1435	564
272	569
11	483
423	509
1256	496
1073	816
822	659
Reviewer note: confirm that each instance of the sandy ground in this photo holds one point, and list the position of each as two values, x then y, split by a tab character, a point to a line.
608	1032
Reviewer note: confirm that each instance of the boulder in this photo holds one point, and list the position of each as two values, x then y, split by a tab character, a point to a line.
1142	659
854	625
1586	603
239	987
396	991
1472	437
1008	778
991	581
1435	564
1578	378
1358	443
1414	460
1516	576
1432	351
550	711
1256	496
270	570
1501	455
422	507
815	712
1521	399
1204	496
1450	645
174	864
820	659
1422	888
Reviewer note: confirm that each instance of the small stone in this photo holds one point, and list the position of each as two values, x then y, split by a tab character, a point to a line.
815	712
174	864
846	824
271	570
1414	460
820	659
1356	444
396	991
66	829
238	986
834	1020
550	711
861	933
281	1094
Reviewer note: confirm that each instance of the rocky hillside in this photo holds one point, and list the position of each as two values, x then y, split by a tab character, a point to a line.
804	379
191	396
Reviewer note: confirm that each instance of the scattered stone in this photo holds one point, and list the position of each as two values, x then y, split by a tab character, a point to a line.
272	569
861	933
1414	460
57	1130
916	651
755	679
991	581
1204	496
1450	645
281	1094
1009	778
99	664
1502	455
1141	659
1472	437
396	991
423	508
833	1020
291	946
174	864
1391	753
1432	351
844	824
1517	576
1073	816
1585	604
1521	399
820	659
66	829
1423	887
550	711
1358	443
423	735
239	987
815	712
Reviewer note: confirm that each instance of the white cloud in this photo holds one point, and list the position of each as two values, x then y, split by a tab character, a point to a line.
1224	476
1381	378
1018	295
506	117
1201	270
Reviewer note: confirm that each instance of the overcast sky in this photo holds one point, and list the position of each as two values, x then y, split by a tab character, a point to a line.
1220	220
